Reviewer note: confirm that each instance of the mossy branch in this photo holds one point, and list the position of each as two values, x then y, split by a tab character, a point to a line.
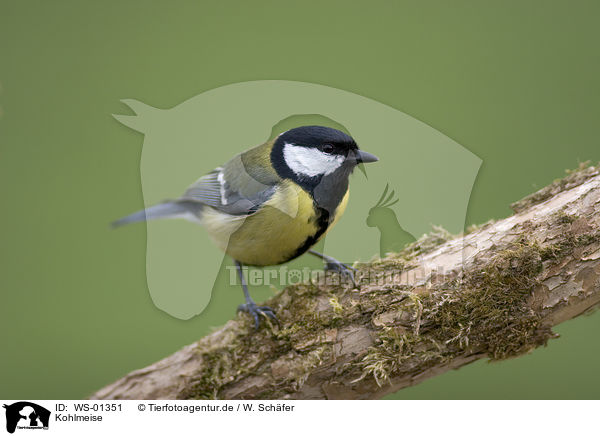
442	303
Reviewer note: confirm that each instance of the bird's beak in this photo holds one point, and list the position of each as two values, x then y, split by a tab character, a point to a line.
361	157
364	157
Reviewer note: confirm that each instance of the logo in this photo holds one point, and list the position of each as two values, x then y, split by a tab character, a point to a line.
392	236
26	415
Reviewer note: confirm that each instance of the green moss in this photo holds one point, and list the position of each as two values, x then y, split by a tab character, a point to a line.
298	336
335	304
220	365
392	354
393	347
485	311
488	311
566	245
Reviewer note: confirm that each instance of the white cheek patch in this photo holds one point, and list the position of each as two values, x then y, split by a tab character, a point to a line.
310	162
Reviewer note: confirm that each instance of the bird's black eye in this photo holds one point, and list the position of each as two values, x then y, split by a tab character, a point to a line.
327	148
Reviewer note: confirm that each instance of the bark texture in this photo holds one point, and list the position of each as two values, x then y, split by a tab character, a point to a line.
442	303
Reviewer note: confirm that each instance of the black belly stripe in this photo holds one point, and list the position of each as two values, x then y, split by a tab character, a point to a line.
322	223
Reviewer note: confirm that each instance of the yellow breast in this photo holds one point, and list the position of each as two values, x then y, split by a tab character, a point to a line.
276	232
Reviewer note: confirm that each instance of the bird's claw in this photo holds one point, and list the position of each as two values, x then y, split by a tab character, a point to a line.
342	269
255	311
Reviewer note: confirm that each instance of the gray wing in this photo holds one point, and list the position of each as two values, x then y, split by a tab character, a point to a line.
230	189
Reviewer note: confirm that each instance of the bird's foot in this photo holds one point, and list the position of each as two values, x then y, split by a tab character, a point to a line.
256	311
334	265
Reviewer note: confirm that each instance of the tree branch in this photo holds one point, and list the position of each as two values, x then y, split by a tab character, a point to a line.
441	303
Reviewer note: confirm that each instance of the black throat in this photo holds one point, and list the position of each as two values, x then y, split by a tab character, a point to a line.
327	195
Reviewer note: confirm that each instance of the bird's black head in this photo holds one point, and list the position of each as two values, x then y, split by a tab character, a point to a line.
307	154
326	139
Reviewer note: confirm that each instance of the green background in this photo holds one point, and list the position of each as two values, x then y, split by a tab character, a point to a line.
515	82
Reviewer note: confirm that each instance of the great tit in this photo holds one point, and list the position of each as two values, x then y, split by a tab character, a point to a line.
272	203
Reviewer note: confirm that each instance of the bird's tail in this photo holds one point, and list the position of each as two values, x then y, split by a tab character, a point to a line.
169	209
